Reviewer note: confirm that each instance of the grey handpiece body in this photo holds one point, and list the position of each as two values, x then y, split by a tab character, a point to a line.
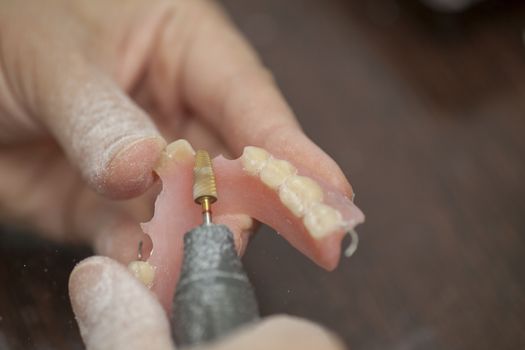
213	295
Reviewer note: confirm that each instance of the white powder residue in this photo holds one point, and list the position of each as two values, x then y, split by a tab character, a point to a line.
117	311
103	121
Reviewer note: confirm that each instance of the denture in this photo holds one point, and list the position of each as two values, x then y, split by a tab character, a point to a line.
310	214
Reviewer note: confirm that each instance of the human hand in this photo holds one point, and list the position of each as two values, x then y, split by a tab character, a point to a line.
115	311
90	92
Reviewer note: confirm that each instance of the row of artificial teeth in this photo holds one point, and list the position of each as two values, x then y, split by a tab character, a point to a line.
319	219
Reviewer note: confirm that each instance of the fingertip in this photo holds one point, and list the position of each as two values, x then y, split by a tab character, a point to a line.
101	292
313	336
242	227
85	275
281	332
120	241
86	269
130	171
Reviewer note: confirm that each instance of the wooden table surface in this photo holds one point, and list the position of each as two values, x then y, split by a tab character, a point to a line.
426	115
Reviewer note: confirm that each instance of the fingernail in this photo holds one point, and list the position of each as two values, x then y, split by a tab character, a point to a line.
130	172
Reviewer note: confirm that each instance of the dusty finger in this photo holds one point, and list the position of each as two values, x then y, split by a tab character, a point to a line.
114	310
63	88
113	143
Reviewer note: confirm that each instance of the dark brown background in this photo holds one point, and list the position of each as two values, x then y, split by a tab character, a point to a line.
426	115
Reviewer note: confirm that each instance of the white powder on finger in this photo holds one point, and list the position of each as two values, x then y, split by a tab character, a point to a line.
100	121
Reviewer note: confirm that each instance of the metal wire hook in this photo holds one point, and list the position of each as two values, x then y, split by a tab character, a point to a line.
352	247
139	252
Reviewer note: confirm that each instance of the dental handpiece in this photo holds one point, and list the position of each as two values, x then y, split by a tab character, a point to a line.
213	295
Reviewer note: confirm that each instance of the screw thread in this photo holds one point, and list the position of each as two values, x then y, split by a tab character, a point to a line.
203	178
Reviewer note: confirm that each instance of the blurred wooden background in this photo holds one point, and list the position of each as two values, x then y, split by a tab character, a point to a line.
425	113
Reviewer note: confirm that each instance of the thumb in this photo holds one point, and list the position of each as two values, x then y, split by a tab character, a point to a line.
113	143
114	310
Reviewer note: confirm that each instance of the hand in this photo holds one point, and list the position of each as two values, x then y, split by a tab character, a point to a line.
90	89
115	311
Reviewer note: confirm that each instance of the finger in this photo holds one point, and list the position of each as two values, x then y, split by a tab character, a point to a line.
113	228
40	189
280	333
201	136
120	239
114	310
242	227
226	83
106	136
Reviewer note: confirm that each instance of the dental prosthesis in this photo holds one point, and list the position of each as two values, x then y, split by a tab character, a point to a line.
311	215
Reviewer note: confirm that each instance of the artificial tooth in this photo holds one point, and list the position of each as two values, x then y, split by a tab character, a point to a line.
299	193
321	220
143	271
180	149
275	172
177	150
254	159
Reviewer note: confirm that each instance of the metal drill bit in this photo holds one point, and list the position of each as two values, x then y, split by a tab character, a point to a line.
204	189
